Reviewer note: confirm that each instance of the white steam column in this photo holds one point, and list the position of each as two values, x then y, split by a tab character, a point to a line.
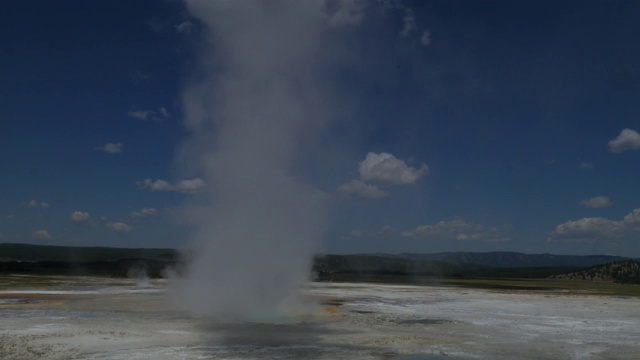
254	102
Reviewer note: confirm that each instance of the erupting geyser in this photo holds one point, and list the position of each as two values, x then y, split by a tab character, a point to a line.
255	101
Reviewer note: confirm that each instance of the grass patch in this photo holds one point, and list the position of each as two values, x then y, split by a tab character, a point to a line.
552	286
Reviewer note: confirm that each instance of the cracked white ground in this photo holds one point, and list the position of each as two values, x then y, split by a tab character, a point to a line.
98	318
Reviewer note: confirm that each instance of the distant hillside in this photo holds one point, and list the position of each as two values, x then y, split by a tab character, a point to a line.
621	272
335	267
506	259
26	258
27	252
96	261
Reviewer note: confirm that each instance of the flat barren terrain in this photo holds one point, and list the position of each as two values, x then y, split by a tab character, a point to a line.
101	318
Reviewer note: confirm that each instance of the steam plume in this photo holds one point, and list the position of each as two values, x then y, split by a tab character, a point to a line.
255	102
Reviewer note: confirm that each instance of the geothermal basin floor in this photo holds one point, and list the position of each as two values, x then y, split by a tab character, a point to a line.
57	317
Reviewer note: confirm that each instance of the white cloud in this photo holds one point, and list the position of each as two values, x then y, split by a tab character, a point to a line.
111	148
184	27
387	229
34	203
144	115
381	169
409	23
11	217
188	186
588	229
458	229
384	168
158	185
596	202
597	228
80	217
119	227
140	114
627	140
41	234
360	188
145	212
425	39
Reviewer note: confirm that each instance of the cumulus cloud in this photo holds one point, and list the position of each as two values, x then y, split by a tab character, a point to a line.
158	185
627	140
41	234
119	227
34	203
145	212
588	229
187	186
156	115
80	217
360	188
111	148
386	169
593	229
381	169
458	229
596	202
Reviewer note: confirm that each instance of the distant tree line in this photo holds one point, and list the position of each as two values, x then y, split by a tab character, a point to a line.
620	272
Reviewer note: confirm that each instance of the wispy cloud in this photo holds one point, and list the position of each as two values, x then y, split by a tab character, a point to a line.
144	212
586	165
80	217
41	234
139	76
385	230
187	186
155	115
409	23
425	39
35	203
458	229
111	148
596	202
345	13
360	188
120	227
184	27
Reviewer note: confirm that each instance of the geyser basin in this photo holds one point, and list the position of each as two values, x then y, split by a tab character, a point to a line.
97	318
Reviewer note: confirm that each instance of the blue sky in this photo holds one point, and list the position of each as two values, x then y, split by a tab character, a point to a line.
454	125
